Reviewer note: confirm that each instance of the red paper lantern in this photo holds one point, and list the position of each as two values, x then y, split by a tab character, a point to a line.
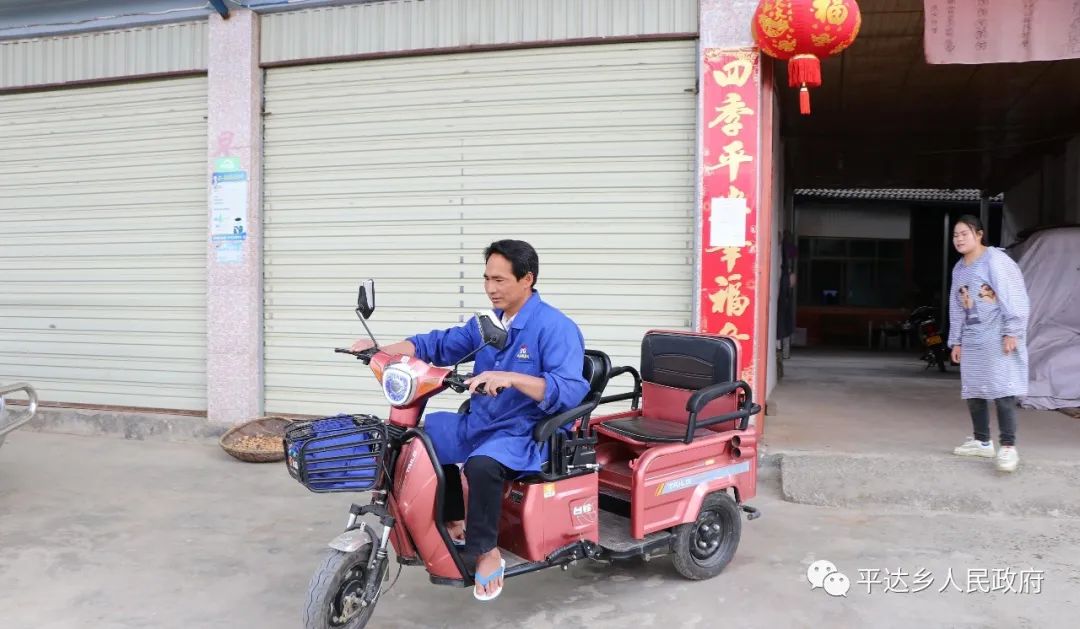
802	32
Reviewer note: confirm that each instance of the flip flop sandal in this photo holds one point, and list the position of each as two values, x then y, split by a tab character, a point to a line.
483	581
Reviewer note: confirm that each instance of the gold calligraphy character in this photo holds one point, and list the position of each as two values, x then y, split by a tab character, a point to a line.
731	255
734	155
832	11
729	329
729	300
735	73
731	114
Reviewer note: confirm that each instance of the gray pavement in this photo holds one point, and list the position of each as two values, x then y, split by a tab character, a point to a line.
886	403
873	429
103	532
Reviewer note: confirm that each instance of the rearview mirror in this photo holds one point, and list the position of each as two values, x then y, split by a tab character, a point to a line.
365	301
492	331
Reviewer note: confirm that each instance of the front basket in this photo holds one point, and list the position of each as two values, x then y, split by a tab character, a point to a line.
333	454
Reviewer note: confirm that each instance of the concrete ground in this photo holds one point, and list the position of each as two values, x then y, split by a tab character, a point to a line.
873	428
108	533
865	401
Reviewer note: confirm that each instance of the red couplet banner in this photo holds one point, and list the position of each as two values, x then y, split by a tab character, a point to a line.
731	122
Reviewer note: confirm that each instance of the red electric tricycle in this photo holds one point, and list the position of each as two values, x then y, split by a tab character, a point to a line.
669	476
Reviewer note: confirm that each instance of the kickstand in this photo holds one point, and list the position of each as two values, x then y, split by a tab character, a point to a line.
751	512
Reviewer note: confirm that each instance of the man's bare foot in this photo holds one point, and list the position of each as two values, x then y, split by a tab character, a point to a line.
456	529
486	564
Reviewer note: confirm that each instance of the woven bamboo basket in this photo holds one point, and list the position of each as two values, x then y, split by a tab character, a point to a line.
258	440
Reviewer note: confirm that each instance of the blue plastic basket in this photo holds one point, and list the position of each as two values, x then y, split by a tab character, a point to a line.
334	454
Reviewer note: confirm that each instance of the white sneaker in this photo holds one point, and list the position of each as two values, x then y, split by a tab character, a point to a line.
974	447
1007	459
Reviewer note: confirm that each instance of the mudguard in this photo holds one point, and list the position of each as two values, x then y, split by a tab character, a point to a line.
352	540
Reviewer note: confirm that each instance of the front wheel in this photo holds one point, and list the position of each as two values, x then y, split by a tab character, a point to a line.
336	592
703	548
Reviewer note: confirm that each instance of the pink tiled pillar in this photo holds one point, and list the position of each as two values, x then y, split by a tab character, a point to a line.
726	23
234	367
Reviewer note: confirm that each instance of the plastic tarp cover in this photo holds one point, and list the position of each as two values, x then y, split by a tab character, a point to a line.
1050	261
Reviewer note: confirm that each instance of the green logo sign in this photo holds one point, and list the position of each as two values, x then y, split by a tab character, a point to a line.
227	164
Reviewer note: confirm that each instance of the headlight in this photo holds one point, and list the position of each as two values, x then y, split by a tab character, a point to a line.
398	385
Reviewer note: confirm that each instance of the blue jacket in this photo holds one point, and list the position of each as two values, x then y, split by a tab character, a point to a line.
543	342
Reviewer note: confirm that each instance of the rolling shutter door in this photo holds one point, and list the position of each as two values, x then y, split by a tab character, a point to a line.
405	169
102	264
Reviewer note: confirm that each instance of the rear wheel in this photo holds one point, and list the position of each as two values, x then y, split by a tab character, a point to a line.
704	547
336	593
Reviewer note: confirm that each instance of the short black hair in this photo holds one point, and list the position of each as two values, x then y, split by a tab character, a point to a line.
975	224
522	257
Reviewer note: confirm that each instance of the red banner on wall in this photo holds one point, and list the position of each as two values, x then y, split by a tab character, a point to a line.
731	118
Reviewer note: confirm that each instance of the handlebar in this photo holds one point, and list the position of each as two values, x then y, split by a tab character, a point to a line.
364	355
455	381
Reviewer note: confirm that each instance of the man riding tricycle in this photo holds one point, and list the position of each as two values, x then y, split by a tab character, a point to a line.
547	483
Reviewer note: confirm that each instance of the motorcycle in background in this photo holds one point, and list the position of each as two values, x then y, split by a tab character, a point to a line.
924	319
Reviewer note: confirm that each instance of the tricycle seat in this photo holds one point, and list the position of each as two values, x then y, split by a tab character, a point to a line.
648	430
687	390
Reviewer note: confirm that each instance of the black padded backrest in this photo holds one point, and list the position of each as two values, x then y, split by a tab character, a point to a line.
597	368
686	361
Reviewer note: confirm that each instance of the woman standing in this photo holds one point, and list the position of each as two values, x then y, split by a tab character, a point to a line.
988	317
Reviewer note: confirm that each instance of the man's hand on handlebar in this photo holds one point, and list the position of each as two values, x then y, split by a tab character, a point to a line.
362	345
492	382
395	349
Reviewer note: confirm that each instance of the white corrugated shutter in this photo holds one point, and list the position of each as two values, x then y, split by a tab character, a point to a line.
405	169
103	229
